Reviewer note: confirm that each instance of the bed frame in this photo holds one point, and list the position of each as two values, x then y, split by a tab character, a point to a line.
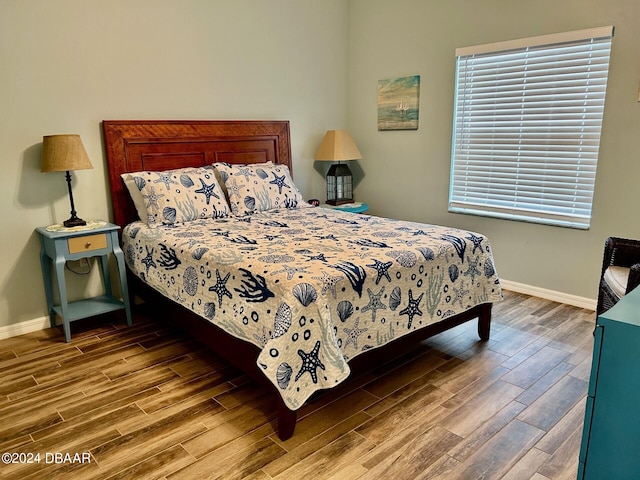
162	145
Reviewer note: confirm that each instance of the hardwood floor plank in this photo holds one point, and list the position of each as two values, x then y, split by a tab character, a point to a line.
480	408
329	415
566	426
515	360
511	340
535	367
120	392
244	462
393	421
496	457
246	441
175	391
469	372
299	453
527	466
131	449
414	455
563	464
228	425
154	356
406	373
158	466
352	471
13	428
486	431
534	392
555	403
325	462
17	385
439	470
34	361
79	380
393	398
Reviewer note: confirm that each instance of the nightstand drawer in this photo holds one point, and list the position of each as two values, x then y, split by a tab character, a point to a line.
87	243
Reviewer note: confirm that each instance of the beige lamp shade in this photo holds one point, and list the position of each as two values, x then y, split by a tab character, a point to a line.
63	153
338	145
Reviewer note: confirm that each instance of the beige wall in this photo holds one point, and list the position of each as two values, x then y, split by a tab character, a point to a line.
406	174
65	65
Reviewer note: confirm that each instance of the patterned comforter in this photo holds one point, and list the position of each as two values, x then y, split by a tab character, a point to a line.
314	287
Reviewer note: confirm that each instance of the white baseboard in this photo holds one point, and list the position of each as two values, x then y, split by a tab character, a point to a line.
576	301
21	328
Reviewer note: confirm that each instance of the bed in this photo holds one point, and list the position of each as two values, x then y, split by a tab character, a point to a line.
296	296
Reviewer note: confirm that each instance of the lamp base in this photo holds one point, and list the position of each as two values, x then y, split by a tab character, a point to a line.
339	184
74	222
339	201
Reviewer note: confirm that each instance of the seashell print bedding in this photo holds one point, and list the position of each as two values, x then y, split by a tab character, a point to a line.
314	287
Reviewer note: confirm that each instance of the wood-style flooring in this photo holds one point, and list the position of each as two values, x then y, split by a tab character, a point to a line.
147	401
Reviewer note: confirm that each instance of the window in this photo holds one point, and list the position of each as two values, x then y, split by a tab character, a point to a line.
527	121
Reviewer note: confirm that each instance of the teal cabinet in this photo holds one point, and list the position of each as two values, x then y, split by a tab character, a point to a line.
610	446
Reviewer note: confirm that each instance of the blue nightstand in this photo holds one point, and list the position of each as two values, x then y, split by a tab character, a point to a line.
356	207
58	246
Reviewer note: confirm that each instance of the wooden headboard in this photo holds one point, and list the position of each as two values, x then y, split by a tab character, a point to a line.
156	145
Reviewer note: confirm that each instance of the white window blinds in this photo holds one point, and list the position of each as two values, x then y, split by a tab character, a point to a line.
527	121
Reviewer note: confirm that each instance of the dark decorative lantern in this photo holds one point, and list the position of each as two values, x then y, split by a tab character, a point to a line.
338	146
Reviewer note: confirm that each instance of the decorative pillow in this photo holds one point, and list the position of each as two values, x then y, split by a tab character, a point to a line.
135	195
259	187
176	196
264	165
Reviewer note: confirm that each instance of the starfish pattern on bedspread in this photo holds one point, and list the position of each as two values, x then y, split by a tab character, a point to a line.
207	191
152	198
165	177
310	363
279	181
148	260
329	283
220	287
476	240
472	269
413	308
353	334
375	303
382	268
460	294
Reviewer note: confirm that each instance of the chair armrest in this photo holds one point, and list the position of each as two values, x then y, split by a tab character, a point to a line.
621	252
634	277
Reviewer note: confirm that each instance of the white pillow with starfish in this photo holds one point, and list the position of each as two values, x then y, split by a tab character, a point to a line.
176	196
259	187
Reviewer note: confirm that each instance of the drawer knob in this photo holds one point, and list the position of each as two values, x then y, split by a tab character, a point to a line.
87	245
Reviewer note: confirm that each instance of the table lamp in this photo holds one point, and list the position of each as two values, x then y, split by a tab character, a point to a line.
338	146
62	153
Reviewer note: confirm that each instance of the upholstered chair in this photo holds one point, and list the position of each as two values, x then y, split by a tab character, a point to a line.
620	271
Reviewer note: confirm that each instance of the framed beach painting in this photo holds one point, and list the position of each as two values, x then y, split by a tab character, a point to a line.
398	103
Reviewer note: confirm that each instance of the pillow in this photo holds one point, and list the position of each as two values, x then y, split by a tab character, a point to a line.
176	196
259	187
135	195
268	164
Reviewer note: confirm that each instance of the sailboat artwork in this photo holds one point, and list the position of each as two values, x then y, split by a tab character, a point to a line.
398	103
402	107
